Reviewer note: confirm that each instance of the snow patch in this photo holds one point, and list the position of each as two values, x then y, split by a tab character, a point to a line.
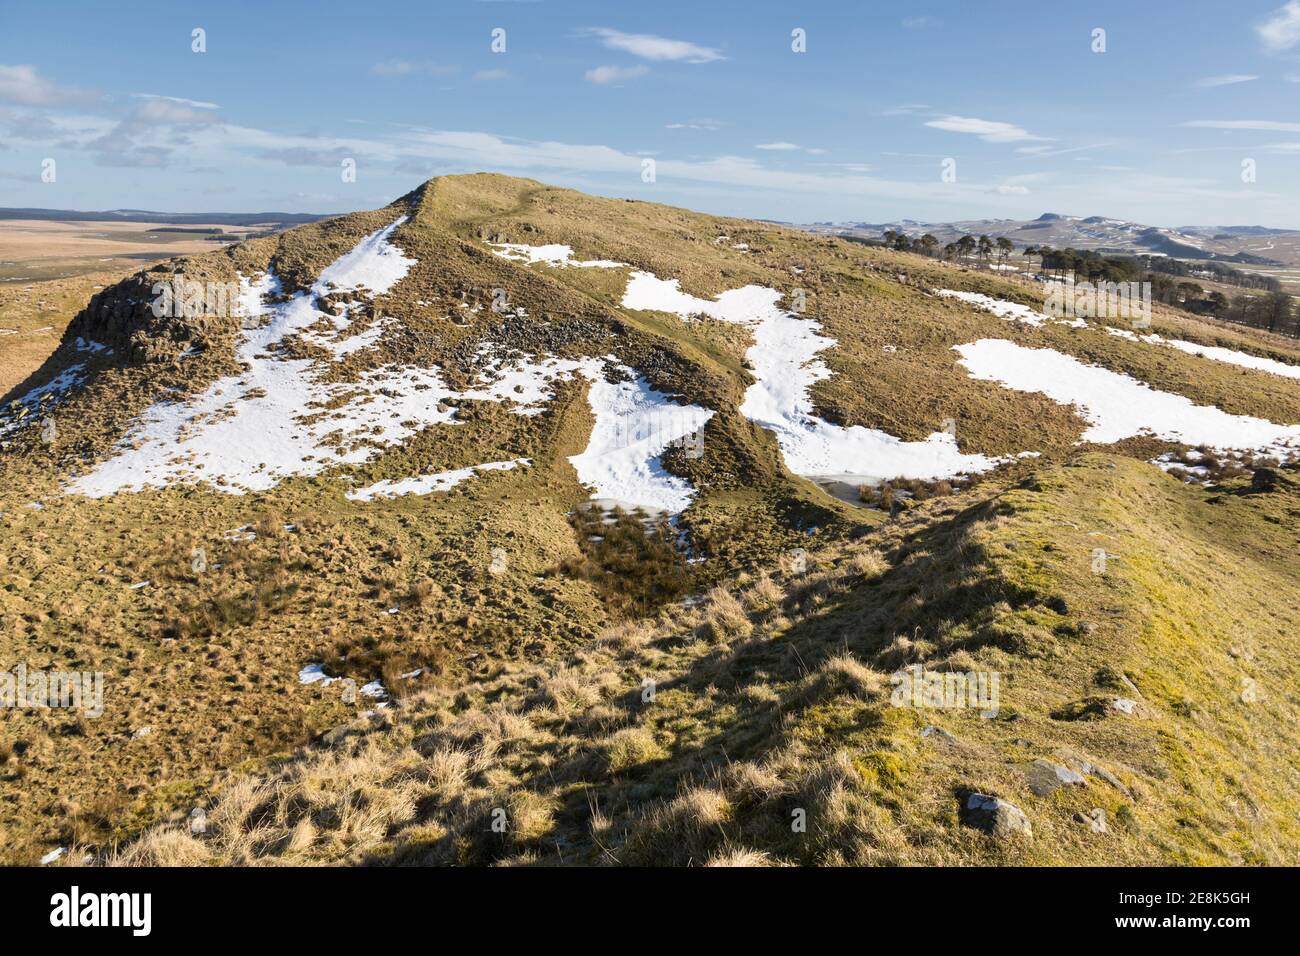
1118	406
999	307
1233	357
635	425
785	366
555	254
427	484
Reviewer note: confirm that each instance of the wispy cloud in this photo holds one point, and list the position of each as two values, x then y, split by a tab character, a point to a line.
195	104
784	147
306	156
1281	31
488	76
1271	126
1042	152
20	83
849	167
703	123
921	23
905	109
1227	79
615	74
991	131
412	67
650	47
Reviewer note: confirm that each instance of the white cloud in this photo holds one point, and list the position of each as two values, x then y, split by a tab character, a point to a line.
1040	152
1227	79
1006	190
409	67
483	76
921	23
1272	126
151	132
615	74
784	147
991	131
649	47
851	167
21	84
1282	30
704	123
195	104
306	156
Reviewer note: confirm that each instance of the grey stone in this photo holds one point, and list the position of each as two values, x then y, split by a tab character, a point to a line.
995	816
937	732
1094	819
1046	777
1090	769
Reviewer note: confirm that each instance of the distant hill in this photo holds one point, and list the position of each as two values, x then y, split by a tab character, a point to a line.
1249	245
174	218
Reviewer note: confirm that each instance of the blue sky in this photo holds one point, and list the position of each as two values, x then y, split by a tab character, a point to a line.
858	127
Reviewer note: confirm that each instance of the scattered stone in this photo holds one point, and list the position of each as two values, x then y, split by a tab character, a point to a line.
1100	708
1046	777
139	732
938	732
1110	778
1094	819
995	816
1090	769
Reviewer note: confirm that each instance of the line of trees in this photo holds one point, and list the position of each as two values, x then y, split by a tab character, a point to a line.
1274	310
982	248
1218	272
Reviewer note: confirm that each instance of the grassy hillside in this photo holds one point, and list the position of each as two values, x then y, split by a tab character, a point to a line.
514	628
773	697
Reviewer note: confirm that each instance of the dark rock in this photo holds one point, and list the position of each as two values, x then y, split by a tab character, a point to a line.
995	816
